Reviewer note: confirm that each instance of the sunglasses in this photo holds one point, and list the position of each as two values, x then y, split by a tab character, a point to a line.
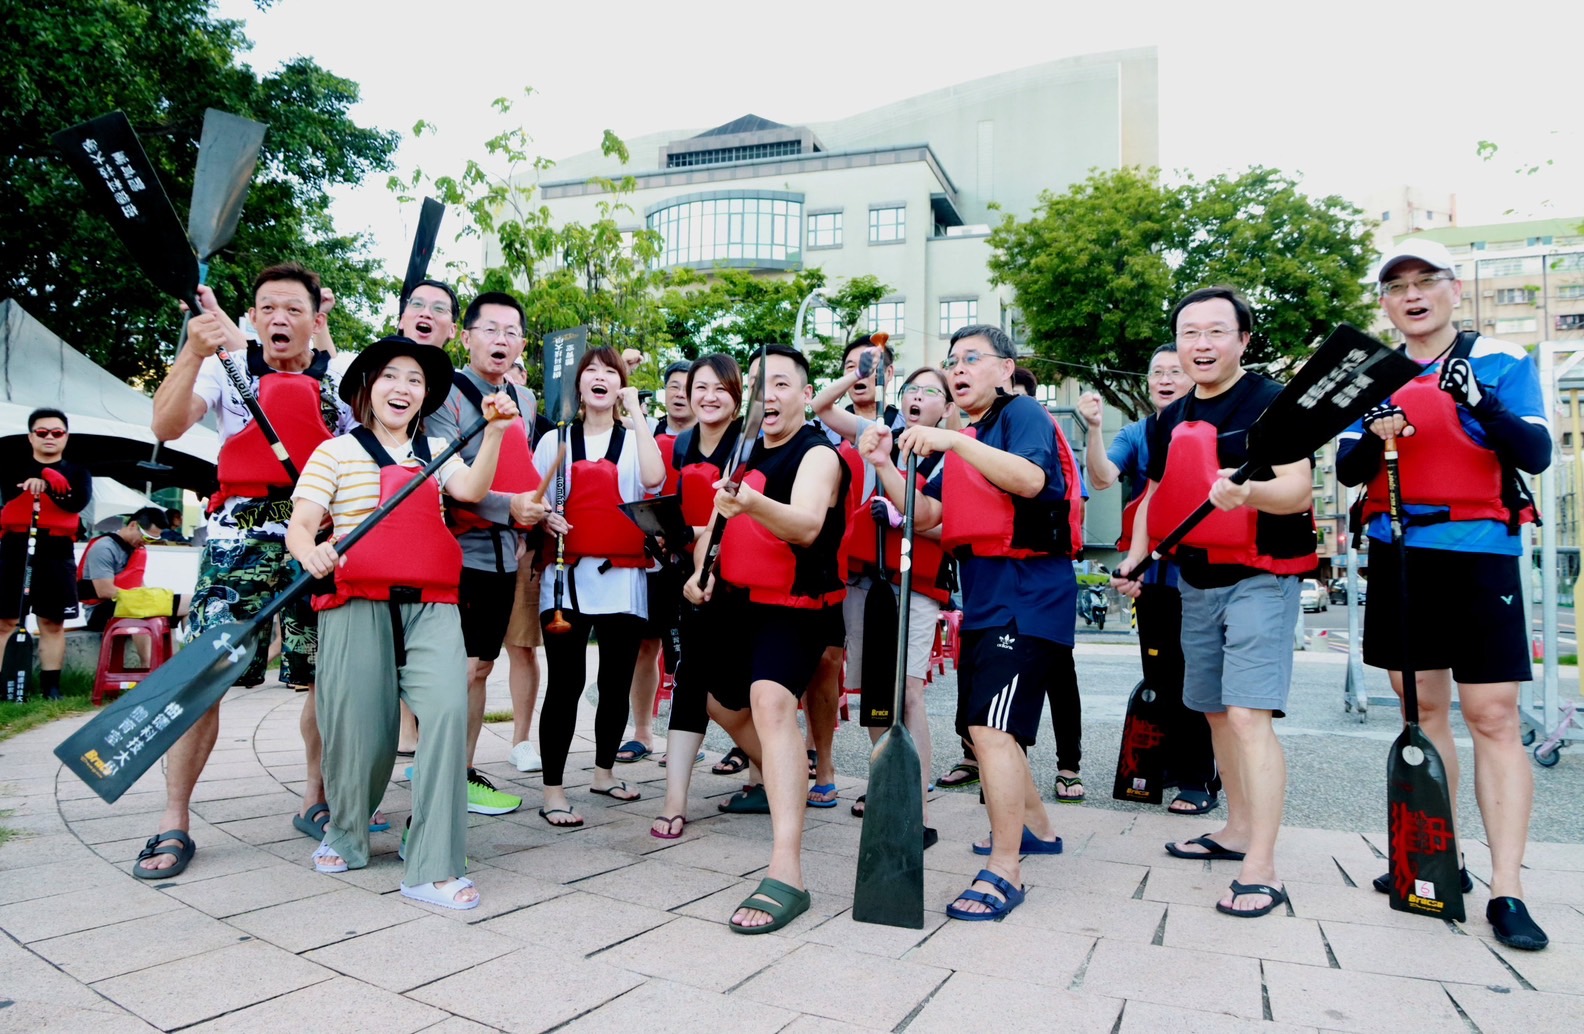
50	432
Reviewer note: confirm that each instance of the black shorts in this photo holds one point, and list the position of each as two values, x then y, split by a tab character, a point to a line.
762	643
52	595
665	602
1001	680
484	600
834	627
1466	612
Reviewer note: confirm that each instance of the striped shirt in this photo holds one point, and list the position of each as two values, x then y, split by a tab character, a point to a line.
344	479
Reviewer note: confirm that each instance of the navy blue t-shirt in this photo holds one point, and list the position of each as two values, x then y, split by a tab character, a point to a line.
1038	595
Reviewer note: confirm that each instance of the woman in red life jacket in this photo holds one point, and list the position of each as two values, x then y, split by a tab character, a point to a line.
389	618
699	459
605	591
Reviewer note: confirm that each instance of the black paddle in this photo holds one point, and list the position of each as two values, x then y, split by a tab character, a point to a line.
890	884
17	670
1425	877
121	742
423	246
563	350
753	418
1348	374
880	606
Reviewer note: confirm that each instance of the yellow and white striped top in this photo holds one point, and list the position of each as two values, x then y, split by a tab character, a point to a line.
344	479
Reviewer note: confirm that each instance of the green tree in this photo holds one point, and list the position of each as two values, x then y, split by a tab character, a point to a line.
1097	268
163	64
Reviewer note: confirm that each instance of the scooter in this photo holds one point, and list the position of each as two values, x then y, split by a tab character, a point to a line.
1093	605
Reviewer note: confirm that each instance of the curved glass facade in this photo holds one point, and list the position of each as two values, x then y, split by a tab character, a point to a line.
752	229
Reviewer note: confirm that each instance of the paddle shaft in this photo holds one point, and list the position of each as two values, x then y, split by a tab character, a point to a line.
904	608
17	693
559	624
1410	677
739	470
717	529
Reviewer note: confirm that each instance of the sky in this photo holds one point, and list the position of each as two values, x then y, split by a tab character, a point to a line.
1354	97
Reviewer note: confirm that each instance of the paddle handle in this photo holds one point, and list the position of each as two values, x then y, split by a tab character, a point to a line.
559	625
718	529
1410	677
1189	523
904	608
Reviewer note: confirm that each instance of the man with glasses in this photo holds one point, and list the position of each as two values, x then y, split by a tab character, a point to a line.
116	561
487	530
1012	491
428	315
60	490
1463	429
1238	577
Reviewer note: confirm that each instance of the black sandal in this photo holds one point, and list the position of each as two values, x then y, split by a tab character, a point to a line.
732	762
952	781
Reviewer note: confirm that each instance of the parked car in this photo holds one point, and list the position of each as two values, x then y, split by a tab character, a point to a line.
1312	596
1338	591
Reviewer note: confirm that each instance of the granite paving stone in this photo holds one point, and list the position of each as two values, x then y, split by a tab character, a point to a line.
578	923
1287	939
428	948
846	985
59	914
1149	1018
656	884
187	991
106	951
678	950
1497	1009
314	922
338	1004
970	1001
1347	1000
238	892
1173	976
531	990
1000	950
664	1007
40	1018
1429	956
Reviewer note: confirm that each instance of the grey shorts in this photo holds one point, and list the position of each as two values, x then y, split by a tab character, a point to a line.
1238	644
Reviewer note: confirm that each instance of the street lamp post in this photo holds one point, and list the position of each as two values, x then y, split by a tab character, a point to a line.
818	292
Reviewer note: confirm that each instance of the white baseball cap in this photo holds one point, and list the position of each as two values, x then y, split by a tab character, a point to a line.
1432	253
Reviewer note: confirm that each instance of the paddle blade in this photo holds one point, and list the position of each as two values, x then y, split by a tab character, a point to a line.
227	155
879	669
1348	374
1141	761
752	421
17	671
1424	861
123	741
563	350
890	884
122	185
423	245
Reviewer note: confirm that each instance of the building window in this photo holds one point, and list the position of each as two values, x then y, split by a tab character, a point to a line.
825	230
956	314
888	317
1570	321
824	319
1429	217
887	224
1568	263
1508	267
1570	292
1386	216
1516	295
745	153
748	230
1466	325
1527	325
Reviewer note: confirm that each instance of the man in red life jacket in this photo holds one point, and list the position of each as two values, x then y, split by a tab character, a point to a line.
61	490
114	562
487	530
1238	574
1461	428
1004	503
780	556
245	561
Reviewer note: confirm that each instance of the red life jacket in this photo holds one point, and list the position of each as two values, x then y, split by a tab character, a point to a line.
593	507
248	467
131	577
514	473
1440	465
931	566
1226	536
666	443
409	555
1129	513
695	474
17	515
773	570
981	520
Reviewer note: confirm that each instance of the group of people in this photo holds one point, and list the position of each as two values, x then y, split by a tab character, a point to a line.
532	546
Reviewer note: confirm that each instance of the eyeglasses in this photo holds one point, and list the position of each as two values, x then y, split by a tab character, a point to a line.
927	390
969	359
1215	335
1398	288
50	432
439	308
489	332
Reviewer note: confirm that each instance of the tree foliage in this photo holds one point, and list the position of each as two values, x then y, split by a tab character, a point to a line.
163	64
1097	269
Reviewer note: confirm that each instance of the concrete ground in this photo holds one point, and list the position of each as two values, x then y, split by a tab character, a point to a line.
605	927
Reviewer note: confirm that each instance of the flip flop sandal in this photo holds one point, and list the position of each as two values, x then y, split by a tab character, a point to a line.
329	868
821	789
1277	898
560	811
183	851
615	792
1011	897
952	781
315	823
634	750
377	824
669	820
780	901
813	757
751	801
1069	783
1211	850
431	894
732	762
858	805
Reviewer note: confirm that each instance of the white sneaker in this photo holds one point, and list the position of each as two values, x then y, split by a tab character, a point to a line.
526	758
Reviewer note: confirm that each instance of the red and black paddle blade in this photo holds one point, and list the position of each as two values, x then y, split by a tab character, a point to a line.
122	184
227	155
423	246
1141	761
1425	870
123	741
563	350
17	671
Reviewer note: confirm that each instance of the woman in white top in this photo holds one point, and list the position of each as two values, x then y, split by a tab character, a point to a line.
609	462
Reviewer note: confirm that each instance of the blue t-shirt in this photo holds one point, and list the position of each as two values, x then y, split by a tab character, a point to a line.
1129	452
1039	595
1508	372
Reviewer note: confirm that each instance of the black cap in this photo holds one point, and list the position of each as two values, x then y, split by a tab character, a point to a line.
434	362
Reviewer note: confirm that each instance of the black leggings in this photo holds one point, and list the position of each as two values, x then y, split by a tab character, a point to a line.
566	657
1190	757
1066	711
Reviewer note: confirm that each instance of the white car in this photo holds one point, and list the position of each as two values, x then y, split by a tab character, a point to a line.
1312	595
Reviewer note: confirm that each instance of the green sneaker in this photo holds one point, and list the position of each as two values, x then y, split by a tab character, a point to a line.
484	799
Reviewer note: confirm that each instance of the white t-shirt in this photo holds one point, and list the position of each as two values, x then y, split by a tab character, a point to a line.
619	590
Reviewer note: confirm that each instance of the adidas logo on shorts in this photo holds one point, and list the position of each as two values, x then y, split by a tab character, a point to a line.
1006	641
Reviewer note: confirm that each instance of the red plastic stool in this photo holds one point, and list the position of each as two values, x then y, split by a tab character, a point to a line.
667	685
951	637
115	675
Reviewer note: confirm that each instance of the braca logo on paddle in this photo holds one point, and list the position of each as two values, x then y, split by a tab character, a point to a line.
1424	864
1141	760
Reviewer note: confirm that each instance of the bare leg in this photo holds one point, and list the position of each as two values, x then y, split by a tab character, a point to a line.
1008	784
524	682
1503	780
52	644
313	750
184	763
774	716
679	777
645	684
408	742
478	675
822	702
1261	771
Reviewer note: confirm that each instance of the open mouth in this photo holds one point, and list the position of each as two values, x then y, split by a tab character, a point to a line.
280	340
423	327
915	411
498	355
398	406
1415	311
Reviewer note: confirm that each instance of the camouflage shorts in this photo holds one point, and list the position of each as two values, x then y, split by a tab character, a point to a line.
236	577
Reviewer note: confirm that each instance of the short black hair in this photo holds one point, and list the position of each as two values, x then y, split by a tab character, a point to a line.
1245	315
791	353
681	366
867	341
998	338
441	285
1024	378
293	271
493	298
149	517
47	413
